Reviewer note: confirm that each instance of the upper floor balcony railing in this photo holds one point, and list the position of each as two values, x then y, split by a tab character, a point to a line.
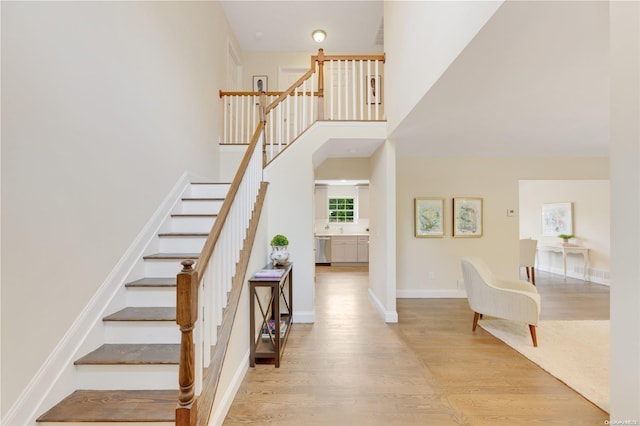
336	87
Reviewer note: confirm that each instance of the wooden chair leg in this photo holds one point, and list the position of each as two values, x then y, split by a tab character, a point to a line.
532	329
475	320
533	275
526	268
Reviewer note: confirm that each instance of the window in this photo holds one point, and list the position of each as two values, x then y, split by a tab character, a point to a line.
341	209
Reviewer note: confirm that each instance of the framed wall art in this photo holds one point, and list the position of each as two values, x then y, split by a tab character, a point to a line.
557	218
259	83
373	89
429	217
467	217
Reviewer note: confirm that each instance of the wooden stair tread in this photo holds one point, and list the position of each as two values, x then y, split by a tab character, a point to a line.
156	313
115	406
132	354
183	234
172	256
153	282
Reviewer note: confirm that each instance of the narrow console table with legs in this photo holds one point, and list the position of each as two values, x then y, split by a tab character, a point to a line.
271	299
565	250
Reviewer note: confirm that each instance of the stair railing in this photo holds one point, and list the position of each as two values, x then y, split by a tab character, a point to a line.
354	93
202	290
336	87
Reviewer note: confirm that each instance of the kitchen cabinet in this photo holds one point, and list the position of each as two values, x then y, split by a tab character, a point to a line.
344	248
363	249
349	249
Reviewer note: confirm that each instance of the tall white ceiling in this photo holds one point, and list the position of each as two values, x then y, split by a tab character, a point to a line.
533	82
286	26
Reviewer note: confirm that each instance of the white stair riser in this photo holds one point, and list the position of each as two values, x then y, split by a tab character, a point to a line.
128	377
146	297
162	268
209	191
192	224
196	206
181	244
147	332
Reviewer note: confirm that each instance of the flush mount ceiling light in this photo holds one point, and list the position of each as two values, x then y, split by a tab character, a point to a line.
319	35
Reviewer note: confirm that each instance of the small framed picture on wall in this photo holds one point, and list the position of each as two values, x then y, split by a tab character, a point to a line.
467	217
429	217
259	83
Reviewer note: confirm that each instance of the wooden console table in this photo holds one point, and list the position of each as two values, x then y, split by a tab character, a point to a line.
269	335
565	250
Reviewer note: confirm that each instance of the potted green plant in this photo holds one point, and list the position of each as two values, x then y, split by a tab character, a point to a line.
565	238
279	250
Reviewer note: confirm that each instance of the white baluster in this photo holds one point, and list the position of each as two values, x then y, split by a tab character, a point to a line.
378	88
295	112
197	338
363	92
331	117
368	89
353	90
339	92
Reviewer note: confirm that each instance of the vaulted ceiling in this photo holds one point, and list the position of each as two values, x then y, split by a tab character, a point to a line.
533	82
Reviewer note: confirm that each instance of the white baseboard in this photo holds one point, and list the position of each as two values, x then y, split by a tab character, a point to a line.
54	380
431	294
220	410
308	317
595	276
387	316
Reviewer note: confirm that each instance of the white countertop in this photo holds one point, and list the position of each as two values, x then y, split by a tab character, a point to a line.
338	234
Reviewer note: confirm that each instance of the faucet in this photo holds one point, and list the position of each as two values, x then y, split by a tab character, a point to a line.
326	227
341	230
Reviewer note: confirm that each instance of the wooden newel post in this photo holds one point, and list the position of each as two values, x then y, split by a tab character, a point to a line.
263	107
320	84
186	316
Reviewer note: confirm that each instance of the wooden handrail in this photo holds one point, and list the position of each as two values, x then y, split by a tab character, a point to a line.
212	378
246	93
291	89
223	93
351	58
212	239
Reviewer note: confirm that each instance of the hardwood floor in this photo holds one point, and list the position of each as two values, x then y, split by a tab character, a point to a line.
350	368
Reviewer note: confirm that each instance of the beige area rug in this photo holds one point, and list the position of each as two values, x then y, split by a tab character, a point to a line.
575	352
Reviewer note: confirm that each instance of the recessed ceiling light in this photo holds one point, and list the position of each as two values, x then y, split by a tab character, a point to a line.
319	35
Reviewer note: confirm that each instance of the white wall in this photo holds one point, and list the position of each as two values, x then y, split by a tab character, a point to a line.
625	210
496	181
421	39
382	233
104	106
591	222
269	63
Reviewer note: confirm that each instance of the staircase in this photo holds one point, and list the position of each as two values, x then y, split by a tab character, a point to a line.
133	376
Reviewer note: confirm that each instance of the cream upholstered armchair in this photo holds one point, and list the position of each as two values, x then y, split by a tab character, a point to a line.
509	299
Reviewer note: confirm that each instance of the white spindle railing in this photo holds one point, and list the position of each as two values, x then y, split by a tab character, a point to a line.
353	90
291	114
221	269
241	115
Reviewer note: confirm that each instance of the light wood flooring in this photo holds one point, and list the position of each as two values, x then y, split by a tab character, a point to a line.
350	368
